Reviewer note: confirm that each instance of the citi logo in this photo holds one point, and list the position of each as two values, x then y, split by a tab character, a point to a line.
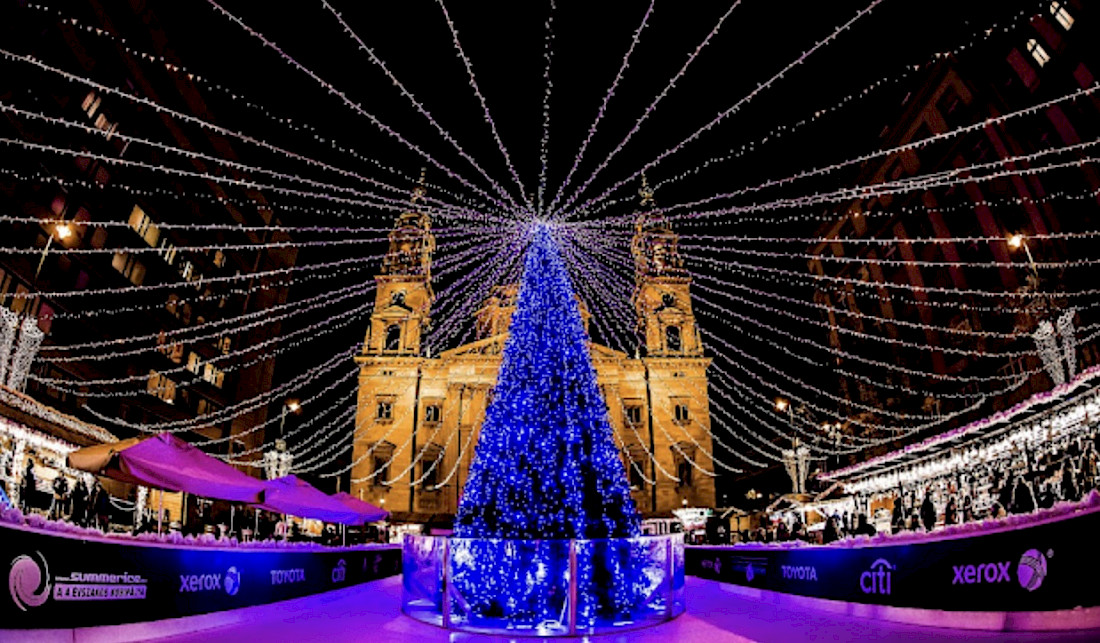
877	579
284	576
984	573
340	572
799	572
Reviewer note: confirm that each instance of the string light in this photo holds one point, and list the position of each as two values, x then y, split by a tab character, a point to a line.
472	80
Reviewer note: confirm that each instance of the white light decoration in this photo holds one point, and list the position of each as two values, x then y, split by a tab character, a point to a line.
9	323
1069	340
278	463
1048	351
30	338
796	461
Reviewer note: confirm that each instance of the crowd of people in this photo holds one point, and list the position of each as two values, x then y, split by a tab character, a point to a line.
1025	481
1059	472
84	504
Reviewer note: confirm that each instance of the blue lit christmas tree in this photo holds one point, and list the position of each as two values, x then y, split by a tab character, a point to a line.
546	466
546	471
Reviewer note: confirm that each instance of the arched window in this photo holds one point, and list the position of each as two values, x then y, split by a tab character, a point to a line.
672	338
398	298
683	472
393	338
668	300
1037	52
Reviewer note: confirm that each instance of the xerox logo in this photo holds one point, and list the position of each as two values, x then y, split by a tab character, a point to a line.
1032	569
983	573
231	582
877	579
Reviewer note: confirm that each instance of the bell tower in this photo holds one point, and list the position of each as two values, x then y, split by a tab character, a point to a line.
662	297
403	296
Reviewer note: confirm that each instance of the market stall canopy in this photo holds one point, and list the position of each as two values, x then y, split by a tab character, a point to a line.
167	462
368	510
294	496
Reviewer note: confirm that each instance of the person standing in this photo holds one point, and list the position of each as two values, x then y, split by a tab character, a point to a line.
1070	491
60	497
928	511
897	518
28	489
864	527
951	512
80	503
1023	499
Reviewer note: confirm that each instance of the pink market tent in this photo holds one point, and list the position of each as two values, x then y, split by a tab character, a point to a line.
294	496
166	462
371	512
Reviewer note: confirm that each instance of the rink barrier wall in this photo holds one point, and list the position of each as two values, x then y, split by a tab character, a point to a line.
57	581
1036	577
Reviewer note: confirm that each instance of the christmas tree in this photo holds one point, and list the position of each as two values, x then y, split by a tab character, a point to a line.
546	466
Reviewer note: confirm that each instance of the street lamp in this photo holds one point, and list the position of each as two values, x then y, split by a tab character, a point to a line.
63	231
278	462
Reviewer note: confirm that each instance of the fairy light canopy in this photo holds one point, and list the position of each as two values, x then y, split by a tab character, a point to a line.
834	240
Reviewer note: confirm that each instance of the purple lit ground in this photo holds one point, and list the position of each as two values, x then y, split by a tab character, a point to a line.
371	612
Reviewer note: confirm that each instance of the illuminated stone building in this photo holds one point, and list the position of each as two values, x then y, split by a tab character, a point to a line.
419	415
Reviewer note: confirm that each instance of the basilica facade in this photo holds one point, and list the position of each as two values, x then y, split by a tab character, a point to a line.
419	415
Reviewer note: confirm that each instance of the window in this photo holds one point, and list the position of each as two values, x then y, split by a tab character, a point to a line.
681	412
667	300
130	267
205	406
385	410
398	298
144	226
393	338
219	258
91	104
168	251
429	466
194	363
1037	52
187	269
632	415
224	344
213	375
432	413
160	386
683	454
672	338
171	350
1058	10
383	455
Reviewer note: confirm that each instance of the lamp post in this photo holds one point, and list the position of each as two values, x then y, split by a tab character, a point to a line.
797	458
277	462
62	231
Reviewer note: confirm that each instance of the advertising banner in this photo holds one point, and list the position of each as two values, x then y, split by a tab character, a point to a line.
56	581
1042	567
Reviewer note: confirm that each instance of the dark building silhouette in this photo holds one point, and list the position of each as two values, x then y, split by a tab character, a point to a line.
1015	203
